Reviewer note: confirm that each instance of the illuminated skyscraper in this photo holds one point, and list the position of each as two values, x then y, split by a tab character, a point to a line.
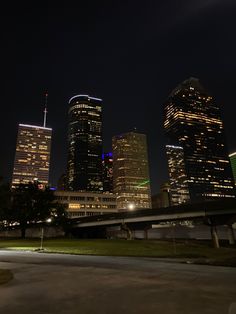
84	166
178	180
107	163
232	158
193	121
130	171
32	158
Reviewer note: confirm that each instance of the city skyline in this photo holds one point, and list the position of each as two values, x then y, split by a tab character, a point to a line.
66	154
118	156
132	65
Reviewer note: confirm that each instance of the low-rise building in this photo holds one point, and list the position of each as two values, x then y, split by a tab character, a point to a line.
87	203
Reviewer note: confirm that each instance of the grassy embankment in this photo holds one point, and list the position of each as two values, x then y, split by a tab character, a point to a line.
196	251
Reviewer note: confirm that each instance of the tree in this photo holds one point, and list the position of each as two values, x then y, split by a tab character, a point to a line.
30	203
5	201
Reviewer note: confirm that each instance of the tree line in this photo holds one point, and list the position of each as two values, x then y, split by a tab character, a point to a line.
29	204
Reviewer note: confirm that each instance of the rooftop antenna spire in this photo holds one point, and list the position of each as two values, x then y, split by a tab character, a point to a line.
45	110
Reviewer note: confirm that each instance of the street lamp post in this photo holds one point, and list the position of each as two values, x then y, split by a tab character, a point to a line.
173	237
42	234
41	242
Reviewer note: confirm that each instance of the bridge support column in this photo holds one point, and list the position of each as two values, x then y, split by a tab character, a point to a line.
214	237
231	235
128	231
145	233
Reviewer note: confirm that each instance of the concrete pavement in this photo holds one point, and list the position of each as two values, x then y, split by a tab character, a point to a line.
69	284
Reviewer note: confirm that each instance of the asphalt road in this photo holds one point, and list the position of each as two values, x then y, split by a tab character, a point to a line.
67	284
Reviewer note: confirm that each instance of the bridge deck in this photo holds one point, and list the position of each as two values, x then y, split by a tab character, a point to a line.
181	212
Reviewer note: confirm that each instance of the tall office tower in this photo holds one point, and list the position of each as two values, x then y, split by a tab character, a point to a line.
84	166
193	121
232	158
130	171
107	163
32	157
179	192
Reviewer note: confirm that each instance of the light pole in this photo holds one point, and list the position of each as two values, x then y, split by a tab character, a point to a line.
41	242
173	237
42	234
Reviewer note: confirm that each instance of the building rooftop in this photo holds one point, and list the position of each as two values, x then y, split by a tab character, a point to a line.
34	126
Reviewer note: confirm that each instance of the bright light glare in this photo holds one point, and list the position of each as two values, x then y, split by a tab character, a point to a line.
131	206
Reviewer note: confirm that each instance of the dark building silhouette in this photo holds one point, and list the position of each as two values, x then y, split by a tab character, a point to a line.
107	164
193	121
61	183
162	199
84	166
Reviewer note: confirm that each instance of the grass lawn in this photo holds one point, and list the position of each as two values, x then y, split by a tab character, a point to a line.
5	276
199	252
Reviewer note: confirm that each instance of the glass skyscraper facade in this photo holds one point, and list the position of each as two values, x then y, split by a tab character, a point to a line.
32	157
232	158
131	171
193	121
84	165
179	192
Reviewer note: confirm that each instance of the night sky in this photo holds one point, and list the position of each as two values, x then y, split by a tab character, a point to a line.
129	53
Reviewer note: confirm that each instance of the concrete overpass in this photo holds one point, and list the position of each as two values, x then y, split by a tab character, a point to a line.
212	213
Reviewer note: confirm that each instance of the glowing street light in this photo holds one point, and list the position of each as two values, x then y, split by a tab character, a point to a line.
131	206
42	233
